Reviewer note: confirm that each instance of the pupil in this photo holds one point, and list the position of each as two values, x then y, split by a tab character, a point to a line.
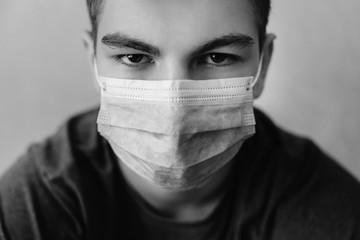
217	58
135	58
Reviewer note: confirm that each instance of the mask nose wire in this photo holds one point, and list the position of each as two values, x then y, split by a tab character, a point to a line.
258	71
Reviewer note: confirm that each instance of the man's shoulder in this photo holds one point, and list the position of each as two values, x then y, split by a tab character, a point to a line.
64	158
310	194
64	182
280	141
74	141
295	158
46	182
71	145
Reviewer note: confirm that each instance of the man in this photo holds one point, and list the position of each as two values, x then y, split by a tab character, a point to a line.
174	152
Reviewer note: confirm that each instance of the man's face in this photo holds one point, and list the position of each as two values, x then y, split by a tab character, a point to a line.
177	39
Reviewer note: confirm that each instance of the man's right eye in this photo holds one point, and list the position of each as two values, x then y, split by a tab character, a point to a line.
133	60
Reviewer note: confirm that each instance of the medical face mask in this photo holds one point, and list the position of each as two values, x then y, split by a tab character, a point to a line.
176	133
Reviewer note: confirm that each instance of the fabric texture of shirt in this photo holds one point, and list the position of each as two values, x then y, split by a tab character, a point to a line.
282	187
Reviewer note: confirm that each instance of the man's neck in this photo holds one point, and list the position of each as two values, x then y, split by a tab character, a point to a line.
182	206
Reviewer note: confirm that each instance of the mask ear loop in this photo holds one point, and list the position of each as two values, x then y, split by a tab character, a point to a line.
101	85
258	71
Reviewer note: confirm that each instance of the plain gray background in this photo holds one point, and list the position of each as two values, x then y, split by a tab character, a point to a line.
313	85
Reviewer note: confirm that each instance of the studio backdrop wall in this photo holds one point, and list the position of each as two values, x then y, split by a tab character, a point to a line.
313	87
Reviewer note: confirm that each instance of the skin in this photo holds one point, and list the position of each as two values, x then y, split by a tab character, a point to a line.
172	39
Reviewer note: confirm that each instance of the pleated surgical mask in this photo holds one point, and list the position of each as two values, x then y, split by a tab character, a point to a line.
176	133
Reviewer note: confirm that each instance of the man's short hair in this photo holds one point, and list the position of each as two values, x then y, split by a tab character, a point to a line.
261	10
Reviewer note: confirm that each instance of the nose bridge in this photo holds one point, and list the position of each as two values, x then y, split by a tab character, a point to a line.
174	69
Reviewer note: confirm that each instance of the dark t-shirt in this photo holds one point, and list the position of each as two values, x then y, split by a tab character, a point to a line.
281	187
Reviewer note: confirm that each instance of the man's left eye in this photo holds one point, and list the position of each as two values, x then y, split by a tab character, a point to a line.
218	59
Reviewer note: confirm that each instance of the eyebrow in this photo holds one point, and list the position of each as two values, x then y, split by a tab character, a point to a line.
119	40
237	40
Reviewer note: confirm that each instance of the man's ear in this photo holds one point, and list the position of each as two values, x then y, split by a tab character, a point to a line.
267	51
89	46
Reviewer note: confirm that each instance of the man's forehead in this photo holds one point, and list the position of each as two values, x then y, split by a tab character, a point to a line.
174	20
